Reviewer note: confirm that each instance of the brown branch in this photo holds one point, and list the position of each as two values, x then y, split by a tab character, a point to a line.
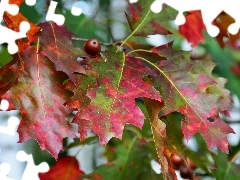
105	44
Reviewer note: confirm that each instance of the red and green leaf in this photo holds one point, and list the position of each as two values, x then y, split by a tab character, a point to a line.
57	46
144	22
189	88
119	83
39	94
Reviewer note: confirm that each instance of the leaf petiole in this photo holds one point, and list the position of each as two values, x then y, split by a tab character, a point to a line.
105	44
130	35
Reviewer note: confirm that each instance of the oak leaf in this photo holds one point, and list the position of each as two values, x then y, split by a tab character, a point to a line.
188	87
40	94
119	82
144	22
57	46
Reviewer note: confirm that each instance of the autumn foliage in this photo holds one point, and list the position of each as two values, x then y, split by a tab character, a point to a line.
129	83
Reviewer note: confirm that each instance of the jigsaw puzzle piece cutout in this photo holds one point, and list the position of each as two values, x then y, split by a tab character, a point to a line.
30	2
4	171
232	9
31	169
10	130
210	10
76	11
9	36
51	16
12	9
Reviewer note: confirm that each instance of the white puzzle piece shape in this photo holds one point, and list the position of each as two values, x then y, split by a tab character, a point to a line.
31	169
209	9
10	130
4	171
51	16
30	2
7	35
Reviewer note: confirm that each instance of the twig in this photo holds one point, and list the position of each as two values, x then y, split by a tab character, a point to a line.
235	156
232	122
105	44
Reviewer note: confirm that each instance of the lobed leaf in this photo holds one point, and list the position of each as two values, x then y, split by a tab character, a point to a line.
39	94
119	82
144	22
57	46
189	88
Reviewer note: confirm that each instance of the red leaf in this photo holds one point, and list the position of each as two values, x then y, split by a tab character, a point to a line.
112	104
65	168
222	22
193	28
39	95
189	88
59	49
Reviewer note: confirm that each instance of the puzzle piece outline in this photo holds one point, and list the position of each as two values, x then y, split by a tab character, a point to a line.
22	156
8	35
209	9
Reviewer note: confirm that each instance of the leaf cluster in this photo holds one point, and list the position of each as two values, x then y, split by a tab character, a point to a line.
165	92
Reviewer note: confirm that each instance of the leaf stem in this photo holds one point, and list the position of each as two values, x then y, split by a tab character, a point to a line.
105	44
139	135
232	122
130	35
235	156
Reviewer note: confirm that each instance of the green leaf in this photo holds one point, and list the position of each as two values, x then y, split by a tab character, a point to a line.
225	169
133	162
144	22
